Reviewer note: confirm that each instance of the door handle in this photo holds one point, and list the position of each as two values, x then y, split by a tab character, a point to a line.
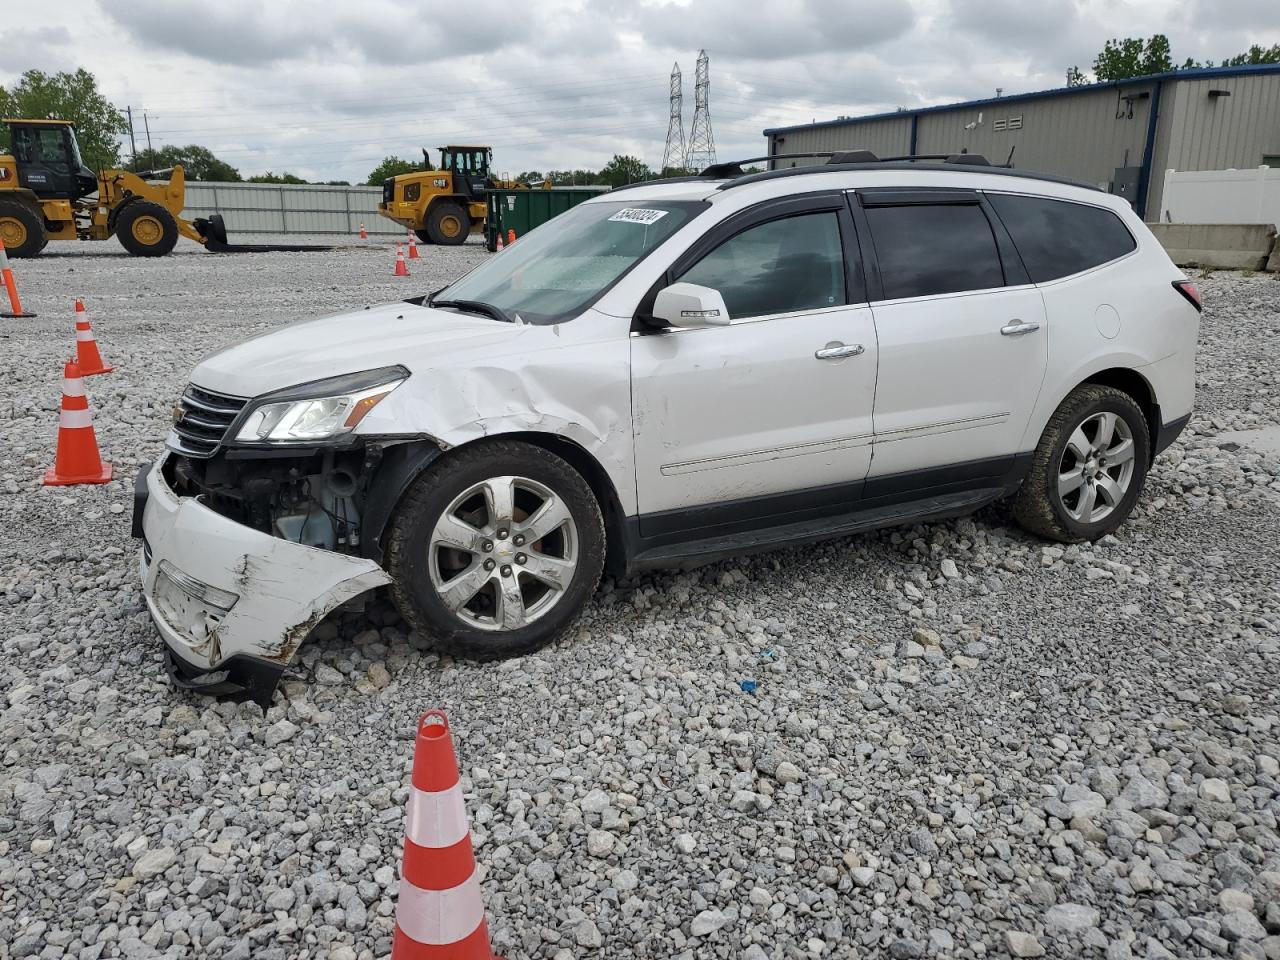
1016	328
838	351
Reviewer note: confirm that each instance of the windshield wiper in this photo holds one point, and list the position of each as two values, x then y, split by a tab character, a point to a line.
473	306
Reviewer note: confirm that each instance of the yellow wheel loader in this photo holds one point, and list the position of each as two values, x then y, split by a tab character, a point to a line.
446	205
47	193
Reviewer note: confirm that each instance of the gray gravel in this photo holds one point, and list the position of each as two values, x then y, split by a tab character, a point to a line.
963	742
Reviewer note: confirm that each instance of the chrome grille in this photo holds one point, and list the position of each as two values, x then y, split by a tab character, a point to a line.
202	418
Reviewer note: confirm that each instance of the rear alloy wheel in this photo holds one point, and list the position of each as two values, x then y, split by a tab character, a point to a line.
495	550
448	224
146	229
21	229
1089	468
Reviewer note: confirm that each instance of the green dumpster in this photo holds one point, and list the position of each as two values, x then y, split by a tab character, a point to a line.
522	210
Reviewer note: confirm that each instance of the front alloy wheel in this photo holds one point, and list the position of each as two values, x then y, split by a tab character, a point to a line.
503	553
495	549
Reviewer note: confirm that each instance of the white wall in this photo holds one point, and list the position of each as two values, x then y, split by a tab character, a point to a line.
1221	196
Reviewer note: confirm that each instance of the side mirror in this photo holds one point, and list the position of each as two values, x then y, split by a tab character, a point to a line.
690	305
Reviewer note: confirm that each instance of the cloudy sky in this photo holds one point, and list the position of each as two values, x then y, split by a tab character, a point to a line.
326	92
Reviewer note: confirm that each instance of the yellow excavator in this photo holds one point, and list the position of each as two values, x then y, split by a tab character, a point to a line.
47	193
446	205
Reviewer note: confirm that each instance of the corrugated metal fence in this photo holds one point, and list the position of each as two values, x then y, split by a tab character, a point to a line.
289	207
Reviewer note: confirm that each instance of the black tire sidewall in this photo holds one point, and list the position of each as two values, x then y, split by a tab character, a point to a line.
438	212
408	559
37	238
1137	424
145	208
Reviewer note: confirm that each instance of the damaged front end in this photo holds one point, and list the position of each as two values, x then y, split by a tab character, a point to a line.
245	551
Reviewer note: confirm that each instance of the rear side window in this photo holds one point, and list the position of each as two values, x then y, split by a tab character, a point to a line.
925	249
1057	238
777	267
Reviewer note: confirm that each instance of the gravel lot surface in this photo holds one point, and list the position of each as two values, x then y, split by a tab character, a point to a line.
962	742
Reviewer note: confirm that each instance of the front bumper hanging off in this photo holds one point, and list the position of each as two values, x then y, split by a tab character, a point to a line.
232	604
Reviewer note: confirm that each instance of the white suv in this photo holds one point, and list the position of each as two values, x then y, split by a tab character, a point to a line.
672	372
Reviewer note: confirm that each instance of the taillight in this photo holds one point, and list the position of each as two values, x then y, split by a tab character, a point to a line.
1190	291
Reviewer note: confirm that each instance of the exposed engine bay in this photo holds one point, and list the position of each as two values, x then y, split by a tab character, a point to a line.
314	497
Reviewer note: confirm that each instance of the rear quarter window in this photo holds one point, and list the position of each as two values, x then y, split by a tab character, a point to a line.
1057	238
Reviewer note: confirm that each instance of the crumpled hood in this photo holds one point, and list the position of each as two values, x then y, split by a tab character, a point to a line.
366	339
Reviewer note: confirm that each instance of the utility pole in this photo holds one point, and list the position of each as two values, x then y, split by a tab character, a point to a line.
146	126
133	144
702	144
674	154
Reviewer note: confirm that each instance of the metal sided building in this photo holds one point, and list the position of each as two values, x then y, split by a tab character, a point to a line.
1121	135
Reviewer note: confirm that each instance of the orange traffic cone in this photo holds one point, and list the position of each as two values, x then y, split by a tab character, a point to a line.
77	460
402	269
498	248
413	247
511	237
364	234
440	912
87	356
15	305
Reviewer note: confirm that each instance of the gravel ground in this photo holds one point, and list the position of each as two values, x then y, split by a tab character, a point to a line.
962	742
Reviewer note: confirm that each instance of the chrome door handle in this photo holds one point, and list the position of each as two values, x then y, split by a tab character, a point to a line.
838	351
1016	328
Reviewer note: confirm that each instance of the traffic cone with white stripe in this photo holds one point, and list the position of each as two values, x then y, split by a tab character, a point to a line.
498	247
88	359
402	269
77	460
413	247
10	285
364	234
439	913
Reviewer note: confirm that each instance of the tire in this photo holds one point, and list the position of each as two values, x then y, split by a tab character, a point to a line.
22	229
1067	451
423	236
458	488
146	229
448	224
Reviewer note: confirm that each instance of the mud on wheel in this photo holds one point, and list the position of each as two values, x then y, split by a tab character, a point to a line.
1089	467
495	550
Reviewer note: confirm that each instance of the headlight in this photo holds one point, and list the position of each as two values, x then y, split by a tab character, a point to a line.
299	419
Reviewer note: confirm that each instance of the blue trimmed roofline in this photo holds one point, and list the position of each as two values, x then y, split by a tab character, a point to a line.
1192	74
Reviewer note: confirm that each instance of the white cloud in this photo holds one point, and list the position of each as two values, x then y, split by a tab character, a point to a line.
328	92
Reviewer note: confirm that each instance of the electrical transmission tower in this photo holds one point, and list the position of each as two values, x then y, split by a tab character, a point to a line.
673	156
702	144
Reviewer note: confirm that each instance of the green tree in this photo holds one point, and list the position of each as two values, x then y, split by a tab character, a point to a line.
270	177
678	172
1133	57
572	178
1255	55
391	167
198	163
530	176
622	170
337	183
68	96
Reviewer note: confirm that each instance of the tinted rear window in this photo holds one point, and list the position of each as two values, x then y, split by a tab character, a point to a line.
927	250
1057	238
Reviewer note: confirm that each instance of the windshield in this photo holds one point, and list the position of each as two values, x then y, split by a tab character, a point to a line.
557	270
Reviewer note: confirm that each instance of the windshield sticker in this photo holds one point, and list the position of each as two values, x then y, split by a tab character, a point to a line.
637	215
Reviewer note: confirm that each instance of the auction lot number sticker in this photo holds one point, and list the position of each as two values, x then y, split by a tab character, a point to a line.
638	215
